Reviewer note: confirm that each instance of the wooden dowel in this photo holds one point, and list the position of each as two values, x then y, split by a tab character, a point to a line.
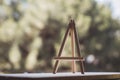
73	50
78	47
69	58
60	51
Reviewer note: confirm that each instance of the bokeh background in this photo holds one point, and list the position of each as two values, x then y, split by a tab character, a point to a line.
31	32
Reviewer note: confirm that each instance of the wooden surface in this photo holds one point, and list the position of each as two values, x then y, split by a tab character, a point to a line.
61	76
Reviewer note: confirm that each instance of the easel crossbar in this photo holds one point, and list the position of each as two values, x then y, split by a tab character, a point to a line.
69	58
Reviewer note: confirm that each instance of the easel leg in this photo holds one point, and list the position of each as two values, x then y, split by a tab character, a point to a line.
78	50
73	50
56	67
82	67
60	51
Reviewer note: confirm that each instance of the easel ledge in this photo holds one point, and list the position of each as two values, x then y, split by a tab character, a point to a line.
62	76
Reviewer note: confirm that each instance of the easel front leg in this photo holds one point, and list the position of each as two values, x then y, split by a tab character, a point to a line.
60	51
56	67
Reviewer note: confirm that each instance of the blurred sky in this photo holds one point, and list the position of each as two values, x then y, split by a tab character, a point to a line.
115	6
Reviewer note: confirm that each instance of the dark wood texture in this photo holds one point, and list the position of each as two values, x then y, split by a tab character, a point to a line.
62	76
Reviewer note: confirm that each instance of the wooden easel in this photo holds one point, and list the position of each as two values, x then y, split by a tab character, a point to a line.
74	39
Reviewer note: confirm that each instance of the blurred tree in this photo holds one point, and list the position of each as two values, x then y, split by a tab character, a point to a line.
31	32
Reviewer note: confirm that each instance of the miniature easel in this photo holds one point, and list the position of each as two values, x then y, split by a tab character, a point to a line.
74	39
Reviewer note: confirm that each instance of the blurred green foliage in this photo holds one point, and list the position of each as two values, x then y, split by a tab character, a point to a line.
31	32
